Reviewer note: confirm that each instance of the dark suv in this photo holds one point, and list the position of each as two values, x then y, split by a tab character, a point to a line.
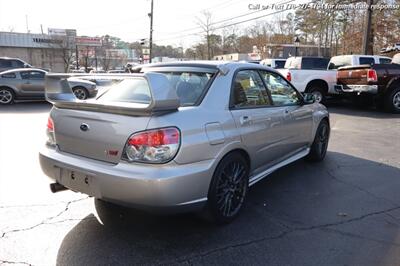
7	63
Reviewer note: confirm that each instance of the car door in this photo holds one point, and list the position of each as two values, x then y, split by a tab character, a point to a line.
33	82
296	118
258	122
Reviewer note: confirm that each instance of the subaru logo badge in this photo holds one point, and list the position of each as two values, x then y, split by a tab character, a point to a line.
84	127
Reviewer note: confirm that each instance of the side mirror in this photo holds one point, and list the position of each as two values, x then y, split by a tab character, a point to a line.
308	98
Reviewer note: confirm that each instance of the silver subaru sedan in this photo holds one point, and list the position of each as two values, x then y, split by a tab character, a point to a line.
188	136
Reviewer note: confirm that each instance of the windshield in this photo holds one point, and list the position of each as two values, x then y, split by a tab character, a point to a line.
189	87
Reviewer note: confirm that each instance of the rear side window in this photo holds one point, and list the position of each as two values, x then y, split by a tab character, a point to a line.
280	63
249	90
339	61
367	61
314	63
385	61
5	63
9	75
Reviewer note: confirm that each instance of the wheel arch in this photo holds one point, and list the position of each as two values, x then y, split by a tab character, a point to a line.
323	84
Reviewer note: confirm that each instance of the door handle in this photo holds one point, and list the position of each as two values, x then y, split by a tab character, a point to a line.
245	120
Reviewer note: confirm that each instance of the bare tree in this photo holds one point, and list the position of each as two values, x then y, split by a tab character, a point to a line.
205	23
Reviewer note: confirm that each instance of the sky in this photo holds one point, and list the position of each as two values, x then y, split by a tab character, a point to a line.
127	20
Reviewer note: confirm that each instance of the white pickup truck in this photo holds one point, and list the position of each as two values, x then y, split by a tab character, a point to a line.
317	75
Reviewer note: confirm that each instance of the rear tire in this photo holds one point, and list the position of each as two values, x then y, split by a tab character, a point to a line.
320	144
81	93
392	100
319	94
7	96
228	189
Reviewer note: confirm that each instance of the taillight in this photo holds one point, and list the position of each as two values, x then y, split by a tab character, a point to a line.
372	76
50	132
289	76
50	124
153	146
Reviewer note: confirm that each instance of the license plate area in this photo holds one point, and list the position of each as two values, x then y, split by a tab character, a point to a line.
77	181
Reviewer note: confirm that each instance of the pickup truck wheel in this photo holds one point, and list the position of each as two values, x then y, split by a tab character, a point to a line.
7	96
80	93
392	101
228	189
320	144
319	94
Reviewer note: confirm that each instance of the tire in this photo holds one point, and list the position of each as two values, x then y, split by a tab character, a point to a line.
7	96
320	144
392	100
228	189
80	93
319	94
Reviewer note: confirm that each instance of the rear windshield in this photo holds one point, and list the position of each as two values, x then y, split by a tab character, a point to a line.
339	61
189	86
129	90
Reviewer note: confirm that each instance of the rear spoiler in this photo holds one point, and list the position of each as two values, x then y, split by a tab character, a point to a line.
163	96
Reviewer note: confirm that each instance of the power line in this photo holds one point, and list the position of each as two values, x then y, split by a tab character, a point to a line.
231	18
232	24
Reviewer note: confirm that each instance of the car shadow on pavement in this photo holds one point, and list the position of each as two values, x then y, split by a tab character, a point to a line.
287	216
26	107
348	108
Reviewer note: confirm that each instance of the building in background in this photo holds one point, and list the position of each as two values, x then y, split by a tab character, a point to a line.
39	50
287	50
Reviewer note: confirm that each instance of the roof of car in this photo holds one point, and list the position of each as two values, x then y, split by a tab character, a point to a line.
202	63
22	70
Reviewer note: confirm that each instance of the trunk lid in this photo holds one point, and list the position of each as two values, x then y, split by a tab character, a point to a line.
99	128
99	136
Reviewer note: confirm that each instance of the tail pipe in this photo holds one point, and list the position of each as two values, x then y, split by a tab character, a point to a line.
57	187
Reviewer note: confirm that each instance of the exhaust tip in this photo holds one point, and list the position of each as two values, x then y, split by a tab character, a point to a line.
56	187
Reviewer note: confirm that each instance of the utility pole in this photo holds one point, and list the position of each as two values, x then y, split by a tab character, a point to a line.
368	37
151	32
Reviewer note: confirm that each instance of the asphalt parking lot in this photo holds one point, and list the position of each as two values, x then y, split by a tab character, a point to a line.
343	211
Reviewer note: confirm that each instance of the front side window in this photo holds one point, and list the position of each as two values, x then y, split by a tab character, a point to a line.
249	90
36	75
25	74
282	93
17	64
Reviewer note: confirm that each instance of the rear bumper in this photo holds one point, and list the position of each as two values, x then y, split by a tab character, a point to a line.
372	89
169	187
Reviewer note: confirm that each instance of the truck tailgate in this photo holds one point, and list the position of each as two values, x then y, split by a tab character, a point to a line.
353	75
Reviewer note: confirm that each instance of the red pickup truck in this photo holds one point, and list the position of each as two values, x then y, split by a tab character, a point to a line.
380	82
